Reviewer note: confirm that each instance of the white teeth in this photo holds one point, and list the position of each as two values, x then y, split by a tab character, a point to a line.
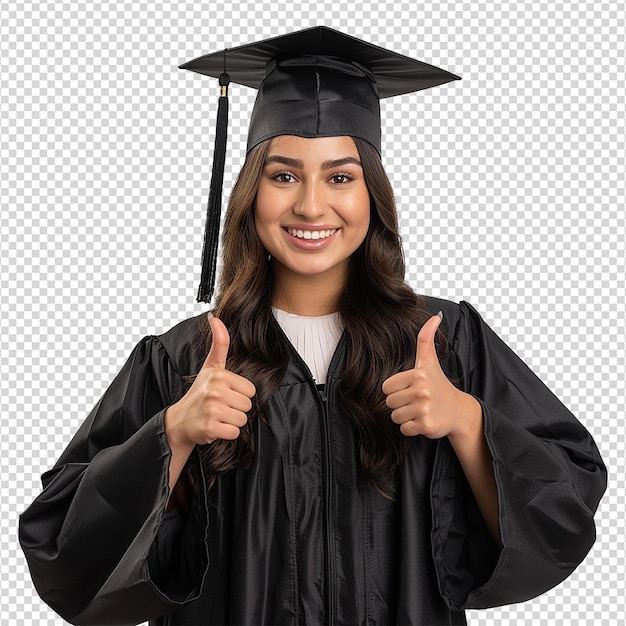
311	234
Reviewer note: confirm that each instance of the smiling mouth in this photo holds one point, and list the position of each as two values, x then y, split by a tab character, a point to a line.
311	234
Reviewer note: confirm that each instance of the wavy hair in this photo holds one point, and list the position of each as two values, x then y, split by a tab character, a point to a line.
380	313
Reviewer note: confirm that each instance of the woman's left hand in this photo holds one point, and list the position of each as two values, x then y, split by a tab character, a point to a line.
423	400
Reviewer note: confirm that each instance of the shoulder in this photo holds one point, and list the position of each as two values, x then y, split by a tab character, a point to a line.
184	344
459	318
453	312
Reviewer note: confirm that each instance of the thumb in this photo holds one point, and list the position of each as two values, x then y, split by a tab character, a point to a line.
426	352
219	344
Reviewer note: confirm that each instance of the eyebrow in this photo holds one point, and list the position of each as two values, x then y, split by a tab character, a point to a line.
276	158
298	164
329	165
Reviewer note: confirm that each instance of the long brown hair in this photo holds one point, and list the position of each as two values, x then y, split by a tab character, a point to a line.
380	313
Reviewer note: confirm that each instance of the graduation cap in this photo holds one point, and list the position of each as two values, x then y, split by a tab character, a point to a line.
316	82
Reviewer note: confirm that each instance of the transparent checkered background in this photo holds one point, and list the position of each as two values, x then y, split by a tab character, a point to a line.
510	184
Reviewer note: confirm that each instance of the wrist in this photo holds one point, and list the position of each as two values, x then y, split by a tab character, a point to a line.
175	434
470	422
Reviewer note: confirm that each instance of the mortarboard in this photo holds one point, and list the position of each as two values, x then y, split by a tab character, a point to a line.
316	82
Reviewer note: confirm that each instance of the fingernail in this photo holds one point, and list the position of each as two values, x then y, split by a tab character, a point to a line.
440	314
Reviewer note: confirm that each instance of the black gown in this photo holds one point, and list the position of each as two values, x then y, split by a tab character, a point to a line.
301	536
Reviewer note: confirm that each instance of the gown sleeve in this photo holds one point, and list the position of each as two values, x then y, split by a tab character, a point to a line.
549	475
91	538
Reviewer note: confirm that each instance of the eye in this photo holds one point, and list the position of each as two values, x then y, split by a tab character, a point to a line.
341	178
283	177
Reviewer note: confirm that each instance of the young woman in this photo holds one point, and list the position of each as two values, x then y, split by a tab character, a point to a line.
326	446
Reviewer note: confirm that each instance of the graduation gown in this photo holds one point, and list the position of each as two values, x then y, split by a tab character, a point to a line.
301	536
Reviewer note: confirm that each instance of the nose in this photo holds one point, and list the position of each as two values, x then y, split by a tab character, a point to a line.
311	202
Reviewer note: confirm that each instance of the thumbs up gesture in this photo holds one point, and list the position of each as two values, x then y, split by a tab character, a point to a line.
423	400
215	406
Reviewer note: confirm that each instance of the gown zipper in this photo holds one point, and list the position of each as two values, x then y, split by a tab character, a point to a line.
329	544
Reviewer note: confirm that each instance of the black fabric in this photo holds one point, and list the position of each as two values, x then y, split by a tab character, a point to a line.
319	82
315	96
301	537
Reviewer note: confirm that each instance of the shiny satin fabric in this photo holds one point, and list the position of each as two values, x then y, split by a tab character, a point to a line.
317	97
301	537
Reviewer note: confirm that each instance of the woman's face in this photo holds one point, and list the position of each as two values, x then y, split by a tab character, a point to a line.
312	208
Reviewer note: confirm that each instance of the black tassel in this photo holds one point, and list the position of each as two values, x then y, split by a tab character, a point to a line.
214	208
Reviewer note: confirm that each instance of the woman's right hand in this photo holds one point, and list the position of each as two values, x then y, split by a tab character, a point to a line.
215	406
